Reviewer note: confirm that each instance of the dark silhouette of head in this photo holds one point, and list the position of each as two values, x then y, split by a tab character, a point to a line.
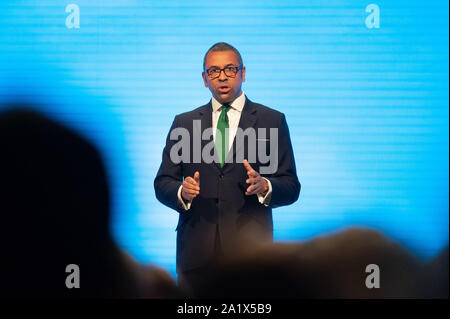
436	275
332	266
55	211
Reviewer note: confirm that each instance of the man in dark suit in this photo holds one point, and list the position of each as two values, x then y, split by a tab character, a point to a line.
224	200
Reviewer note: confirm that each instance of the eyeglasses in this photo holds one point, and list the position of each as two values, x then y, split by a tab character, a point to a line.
230	71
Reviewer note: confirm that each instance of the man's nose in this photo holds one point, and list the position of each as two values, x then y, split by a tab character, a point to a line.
223	76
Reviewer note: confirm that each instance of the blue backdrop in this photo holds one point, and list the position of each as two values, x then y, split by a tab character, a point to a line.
365	93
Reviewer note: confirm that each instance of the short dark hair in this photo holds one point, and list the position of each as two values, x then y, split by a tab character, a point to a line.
222	46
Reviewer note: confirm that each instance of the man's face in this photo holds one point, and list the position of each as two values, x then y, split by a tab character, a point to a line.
225	89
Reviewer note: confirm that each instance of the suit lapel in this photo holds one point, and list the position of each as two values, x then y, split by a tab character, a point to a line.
248	119
205	114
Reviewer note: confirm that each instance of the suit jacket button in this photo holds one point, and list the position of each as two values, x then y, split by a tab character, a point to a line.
221	175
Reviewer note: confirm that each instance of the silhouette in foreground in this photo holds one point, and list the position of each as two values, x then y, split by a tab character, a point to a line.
332	266
436	276
55	206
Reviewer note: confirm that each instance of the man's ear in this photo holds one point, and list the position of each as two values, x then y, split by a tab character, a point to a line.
243	74
204	79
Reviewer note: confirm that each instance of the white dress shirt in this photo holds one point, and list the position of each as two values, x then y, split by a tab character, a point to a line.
234	115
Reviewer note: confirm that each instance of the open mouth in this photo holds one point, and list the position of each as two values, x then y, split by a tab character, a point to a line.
224	89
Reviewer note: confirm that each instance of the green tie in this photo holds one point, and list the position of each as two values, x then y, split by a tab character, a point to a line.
222	144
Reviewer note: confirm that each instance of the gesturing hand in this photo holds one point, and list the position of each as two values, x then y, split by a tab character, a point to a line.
191	187
258	184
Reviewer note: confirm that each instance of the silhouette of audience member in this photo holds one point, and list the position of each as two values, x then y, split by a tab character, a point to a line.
55	207
332	266
436	276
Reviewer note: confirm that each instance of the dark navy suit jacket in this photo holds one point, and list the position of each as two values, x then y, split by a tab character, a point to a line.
242	220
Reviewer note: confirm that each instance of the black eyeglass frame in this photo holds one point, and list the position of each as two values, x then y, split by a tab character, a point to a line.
238	68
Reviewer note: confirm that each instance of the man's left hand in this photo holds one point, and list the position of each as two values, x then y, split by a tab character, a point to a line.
258	184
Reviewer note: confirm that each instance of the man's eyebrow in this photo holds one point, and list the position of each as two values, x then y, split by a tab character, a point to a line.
215	66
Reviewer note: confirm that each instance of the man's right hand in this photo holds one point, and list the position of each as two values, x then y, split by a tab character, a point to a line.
191	187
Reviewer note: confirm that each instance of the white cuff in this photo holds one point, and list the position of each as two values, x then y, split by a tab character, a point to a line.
265	200
181	201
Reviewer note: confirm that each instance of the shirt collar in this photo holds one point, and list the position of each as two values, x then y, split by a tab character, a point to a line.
237	104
